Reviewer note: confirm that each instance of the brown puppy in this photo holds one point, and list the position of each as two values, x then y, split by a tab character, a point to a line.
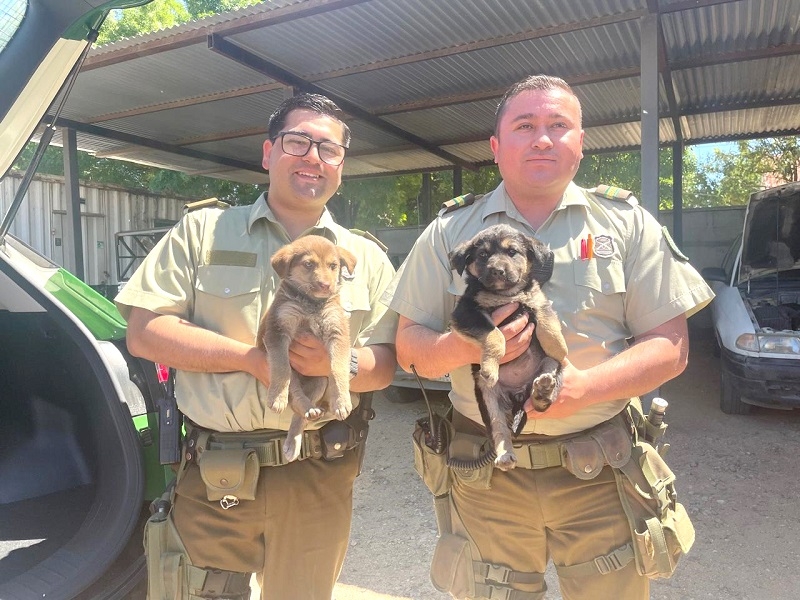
503	266
307	301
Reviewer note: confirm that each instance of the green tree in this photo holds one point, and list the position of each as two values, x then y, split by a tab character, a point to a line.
755	164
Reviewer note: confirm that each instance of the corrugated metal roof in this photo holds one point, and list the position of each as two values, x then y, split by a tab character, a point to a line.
183	98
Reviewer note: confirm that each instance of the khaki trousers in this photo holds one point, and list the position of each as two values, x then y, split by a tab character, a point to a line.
531	516
294	535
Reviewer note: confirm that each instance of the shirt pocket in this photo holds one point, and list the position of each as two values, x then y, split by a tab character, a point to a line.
599	284
228	300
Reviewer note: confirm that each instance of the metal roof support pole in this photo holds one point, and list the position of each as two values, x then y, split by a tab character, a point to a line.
649	119
458	181
73	240
677	192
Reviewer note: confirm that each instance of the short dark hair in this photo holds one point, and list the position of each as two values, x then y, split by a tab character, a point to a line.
531	83
313	102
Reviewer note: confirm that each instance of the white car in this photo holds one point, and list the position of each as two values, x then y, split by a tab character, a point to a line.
756	312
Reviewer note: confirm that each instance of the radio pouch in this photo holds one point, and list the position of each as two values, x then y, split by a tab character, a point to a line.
230	472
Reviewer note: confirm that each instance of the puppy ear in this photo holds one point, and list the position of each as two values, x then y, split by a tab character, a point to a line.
282	260
460	257
347	259
541	259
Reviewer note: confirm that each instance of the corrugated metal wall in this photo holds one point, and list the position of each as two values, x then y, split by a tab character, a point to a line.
105	211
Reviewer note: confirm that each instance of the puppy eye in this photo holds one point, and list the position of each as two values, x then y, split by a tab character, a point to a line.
483	254
333	266
308	264
512	252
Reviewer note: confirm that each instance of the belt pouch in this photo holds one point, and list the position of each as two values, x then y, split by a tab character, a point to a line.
231	472
431	463
609	444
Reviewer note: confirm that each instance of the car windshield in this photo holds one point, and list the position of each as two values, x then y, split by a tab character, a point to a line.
11	14
772	233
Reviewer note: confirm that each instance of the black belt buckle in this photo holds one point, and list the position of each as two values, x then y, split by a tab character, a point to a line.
335	436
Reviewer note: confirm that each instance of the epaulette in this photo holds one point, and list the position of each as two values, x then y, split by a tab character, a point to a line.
207	203
459	202
369	236
612	192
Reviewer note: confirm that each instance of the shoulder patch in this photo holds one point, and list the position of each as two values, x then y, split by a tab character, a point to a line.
614	193
676	252
371	237
459	202
207	203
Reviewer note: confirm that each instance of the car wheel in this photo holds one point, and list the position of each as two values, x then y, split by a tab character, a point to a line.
730	401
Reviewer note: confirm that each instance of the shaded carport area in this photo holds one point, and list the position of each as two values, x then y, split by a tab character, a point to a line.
420	81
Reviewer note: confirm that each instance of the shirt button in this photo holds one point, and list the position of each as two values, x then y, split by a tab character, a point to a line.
346	306
606	286
227	290
587	468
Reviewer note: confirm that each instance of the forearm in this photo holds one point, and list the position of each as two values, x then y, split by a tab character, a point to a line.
433	354
185	346
376	367
655	358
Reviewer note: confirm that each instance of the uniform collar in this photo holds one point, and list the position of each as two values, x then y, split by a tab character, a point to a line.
261	210
499	201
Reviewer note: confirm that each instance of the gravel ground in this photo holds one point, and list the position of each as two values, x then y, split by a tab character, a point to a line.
736	476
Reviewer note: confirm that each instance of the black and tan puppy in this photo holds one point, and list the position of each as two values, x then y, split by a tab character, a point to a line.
307	301
503	266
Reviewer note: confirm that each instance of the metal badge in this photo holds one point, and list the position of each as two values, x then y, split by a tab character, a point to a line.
228	501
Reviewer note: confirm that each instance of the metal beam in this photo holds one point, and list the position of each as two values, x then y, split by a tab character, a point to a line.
73	232
137	140
236	53
649	119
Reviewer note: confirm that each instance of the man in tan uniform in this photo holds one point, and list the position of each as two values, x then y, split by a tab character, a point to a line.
195	305
623	306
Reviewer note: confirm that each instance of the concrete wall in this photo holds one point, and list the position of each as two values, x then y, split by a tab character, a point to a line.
707	234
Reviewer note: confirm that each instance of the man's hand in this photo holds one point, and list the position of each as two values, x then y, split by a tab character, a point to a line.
309	356
570	397
518	333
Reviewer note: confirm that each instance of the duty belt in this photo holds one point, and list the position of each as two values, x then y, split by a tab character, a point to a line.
267	444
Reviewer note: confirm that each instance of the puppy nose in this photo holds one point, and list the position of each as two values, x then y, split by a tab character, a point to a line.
497	271
323	286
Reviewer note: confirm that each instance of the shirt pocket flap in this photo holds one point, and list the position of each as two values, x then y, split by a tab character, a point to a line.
227	281
603	275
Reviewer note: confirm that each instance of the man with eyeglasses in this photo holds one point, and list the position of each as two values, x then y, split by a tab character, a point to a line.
195	304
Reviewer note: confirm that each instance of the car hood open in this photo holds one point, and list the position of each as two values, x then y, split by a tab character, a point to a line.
771	233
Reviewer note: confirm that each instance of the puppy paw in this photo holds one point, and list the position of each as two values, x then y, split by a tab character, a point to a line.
314	413
291	447
544	387
506	461
342	409
278	402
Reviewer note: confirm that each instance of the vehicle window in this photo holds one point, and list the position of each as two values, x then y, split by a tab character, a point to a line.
11	14
730	256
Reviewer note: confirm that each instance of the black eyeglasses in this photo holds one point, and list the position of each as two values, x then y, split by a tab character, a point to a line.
299	144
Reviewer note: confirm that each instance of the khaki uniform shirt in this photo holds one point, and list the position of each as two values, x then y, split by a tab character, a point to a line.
636	281
213	269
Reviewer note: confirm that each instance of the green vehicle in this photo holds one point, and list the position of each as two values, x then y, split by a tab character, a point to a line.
79	421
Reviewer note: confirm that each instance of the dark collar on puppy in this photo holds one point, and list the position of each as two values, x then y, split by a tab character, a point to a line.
294	293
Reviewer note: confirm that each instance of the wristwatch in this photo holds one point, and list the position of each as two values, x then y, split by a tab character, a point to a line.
353	363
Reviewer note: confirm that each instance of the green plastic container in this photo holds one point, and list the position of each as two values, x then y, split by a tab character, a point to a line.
99	314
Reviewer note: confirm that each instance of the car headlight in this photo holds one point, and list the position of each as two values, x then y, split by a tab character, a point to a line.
773	343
